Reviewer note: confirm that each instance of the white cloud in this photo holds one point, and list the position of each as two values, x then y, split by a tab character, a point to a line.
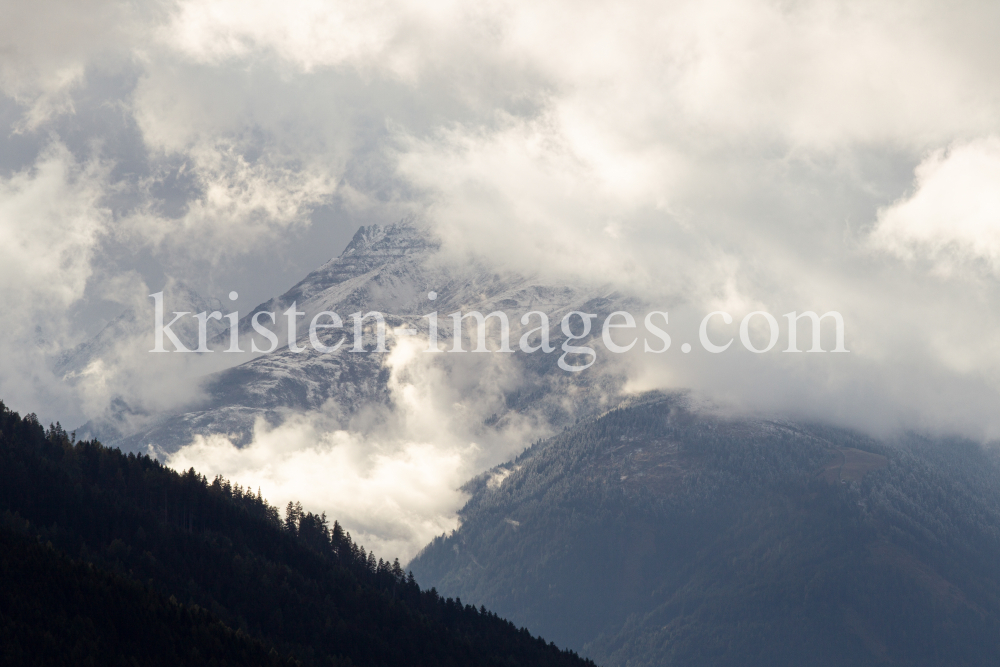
953	215
394	497
305	32
813	73
391	478
241	204
50	219
50	223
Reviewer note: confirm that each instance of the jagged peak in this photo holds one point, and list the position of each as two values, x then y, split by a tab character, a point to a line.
395	238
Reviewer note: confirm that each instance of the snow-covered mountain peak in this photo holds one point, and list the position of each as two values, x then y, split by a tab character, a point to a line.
396	239
390	270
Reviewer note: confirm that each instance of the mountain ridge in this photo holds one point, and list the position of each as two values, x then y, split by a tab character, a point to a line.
241	574
658	534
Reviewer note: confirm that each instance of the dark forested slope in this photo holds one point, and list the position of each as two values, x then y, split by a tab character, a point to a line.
114	559
655	535
57	612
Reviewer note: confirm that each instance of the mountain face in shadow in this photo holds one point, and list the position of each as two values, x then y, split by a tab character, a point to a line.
658	534
109	558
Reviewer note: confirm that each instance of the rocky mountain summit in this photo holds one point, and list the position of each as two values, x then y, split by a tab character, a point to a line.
391	270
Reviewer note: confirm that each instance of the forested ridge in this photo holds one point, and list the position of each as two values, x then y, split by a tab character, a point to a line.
115	559
660	535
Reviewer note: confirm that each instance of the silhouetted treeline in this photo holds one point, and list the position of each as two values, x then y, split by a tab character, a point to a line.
297	585
57	612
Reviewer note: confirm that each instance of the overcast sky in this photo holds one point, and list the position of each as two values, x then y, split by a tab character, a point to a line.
722	155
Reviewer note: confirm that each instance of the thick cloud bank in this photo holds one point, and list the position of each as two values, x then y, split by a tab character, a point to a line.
704	155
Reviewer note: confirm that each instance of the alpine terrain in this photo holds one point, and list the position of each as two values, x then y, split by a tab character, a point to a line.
391	270
660	533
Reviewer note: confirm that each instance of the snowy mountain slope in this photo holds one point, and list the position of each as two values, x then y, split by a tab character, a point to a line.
391	270
135	325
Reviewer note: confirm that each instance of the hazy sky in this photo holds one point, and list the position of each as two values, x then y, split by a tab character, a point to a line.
723	155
